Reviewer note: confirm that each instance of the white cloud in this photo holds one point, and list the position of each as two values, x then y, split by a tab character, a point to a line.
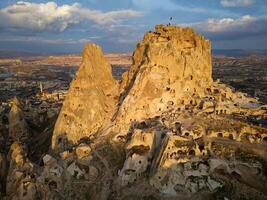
52	17
226	24
43	40
244	26
236	3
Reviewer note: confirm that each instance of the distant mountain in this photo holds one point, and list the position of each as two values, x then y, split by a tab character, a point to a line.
215	52
15	54
237	52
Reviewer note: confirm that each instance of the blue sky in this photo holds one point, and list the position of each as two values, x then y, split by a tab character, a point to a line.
117	25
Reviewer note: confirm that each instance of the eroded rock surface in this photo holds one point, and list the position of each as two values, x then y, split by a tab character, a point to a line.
89	102
168	131
18	128
170	98
170	66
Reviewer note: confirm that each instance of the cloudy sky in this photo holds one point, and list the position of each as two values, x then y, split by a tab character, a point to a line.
65	25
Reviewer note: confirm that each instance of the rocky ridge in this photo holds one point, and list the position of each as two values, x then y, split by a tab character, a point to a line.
165	131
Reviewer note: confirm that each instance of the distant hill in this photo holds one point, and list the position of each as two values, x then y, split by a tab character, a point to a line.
237	52
215	52
15	54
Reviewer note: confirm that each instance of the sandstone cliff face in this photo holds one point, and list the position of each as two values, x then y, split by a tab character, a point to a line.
90	99
169	65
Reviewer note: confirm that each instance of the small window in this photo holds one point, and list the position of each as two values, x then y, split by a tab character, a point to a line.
59	140
220	135
180	152
192	152
201	147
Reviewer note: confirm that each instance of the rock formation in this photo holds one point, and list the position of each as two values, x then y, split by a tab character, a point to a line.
167	131
20	178
18	128
171	113
170	117
90	99
170	66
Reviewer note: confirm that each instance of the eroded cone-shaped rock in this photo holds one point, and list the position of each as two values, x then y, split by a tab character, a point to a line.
18	128
89	101
21	183
169	65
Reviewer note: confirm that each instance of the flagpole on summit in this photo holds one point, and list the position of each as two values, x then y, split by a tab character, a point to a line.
170	19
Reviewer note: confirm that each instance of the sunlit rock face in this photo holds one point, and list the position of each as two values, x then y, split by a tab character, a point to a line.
18	128
90	99
21	183
176	121
169	65
167	131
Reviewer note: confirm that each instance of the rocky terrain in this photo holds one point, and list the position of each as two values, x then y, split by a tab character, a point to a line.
246	74
166	130
23	76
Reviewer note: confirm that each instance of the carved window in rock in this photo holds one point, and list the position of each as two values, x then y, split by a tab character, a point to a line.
215	91
219	135
180	153
201	147
59	140
192	152
187	134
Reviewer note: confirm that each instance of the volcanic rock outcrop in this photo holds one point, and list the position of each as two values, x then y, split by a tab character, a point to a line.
90	99
182	133
18	128
167	131
171	113
170	66
21	182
